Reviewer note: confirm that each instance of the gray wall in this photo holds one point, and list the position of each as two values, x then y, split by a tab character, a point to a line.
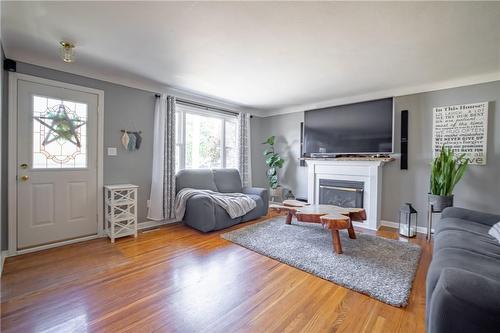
286	128
124	107
479	189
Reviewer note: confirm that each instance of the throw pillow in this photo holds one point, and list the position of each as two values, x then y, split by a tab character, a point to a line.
495	231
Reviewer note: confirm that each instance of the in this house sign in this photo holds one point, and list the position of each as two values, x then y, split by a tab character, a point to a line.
463	128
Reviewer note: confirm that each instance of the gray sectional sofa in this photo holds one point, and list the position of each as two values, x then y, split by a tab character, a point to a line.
463	281
201	213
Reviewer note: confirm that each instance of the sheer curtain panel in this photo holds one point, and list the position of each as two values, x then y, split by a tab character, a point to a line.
162	198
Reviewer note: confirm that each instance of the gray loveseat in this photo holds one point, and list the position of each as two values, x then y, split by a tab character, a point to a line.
463	281
201	213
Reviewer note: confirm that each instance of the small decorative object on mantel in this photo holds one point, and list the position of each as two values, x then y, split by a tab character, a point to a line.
462	128
446	172
407	221
131	140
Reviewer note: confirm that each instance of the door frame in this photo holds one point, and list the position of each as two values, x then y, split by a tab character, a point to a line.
12	182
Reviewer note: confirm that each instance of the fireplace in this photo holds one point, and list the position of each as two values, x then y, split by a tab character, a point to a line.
365	176
342	193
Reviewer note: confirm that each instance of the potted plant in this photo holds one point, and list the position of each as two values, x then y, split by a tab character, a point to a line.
446	172
274	163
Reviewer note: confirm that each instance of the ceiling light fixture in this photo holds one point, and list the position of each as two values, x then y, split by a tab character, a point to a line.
67	51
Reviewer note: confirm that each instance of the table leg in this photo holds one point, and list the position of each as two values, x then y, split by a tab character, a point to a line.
289	217
429	223
352	234
336	241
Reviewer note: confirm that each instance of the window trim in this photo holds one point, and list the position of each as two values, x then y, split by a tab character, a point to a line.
180	140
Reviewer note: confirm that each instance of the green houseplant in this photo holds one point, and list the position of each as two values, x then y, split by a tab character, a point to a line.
274	162
446	172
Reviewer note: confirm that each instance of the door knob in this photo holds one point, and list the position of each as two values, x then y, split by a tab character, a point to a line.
25	178
24	166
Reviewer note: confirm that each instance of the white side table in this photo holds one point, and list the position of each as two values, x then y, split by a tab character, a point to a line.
120	210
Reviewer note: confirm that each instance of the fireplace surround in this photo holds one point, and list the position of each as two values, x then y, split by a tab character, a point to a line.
349	172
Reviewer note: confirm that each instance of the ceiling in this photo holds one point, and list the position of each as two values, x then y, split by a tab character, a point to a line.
270	56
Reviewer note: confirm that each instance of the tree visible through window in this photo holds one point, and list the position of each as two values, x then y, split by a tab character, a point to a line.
205	139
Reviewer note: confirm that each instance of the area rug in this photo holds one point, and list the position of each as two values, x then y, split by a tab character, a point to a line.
378	267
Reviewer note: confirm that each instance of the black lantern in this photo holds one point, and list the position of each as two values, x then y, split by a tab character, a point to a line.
408	221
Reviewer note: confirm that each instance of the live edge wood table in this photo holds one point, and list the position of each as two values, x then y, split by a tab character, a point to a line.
332	217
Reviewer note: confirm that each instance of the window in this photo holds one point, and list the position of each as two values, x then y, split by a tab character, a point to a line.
59	133
205	139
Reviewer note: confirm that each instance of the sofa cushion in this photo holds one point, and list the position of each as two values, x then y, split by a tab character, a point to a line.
471	215
227	180
463	301
463	247
203	214
467	260
222	218
202	179
257	211
464	259
473	242
454	223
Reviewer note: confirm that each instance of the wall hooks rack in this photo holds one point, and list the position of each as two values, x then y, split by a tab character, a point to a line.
127	131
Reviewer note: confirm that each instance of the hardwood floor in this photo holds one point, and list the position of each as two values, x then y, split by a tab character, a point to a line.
176	279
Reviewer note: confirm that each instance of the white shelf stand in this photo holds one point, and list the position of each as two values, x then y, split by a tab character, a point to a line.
120	210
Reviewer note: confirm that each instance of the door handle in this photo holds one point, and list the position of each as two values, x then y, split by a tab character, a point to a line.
24	178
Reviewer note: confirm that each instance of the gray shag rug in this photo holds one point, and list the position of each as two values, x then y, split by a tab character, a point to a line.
378	267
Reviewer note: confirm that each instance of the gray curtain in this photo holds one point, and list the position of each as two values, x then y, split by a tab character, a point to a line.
169	181
244	165
162	198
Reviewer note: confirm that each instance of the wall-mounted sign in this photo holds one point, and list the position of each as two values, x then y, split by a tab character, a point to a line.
463	128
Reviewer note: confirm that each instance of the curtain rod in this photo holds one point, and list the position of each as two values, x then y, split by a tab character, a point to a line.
203	106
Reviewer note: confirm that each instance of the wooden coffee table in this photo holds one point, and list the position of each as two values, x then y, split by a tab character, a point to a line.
333	217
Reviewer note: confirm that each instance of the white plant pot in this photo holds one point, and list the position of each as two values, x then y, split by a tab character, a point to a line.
276	193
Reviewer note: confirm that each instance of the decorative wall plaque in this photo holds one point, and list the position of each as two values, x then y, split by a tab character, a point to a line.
463	128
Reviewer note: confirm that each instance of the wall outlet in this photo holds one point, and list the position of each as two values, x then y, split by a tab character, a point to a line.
148	203
112	151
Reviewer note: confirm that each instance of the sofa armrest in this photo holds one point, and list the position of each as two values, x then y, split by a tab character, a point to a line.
471	215
262	192
464	301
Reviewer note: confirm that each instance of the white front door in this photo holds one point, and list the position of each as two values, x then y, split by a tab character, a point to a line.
56	164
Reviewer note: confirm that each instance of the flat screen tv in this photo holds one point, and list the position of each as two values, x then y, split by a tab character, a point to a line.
359	128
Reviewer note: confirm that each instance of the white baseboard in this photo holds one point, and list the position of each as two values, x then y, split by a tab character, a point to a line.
153	224
391	224
140	226
362	225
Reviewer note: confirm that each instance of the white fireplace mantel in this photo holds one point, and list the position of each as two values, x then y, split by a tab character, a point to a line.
367	171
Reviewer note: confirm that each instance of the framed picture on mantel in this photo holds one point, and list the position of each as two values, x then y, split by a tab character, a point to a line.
463	128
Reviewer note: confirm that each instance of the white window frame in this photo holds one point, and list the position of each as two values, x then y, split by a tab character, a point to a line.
180	140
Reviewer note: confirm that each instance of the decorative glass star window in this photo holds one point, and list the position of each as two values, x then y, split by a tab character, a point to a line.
59	133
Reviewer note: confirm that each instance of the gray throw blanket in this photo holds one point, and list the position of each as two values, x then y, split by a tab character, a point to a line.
235	204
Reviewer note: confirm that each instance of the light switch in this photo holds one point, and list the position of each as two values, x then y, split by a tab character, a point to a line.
112	151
